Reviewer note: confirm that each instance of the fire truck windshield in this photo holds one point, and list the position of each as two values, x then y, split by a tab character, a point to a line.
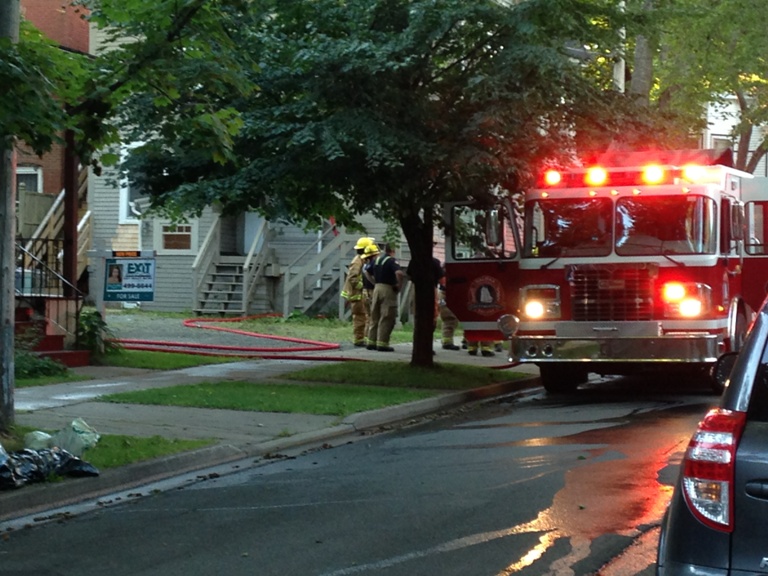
568	227
644	225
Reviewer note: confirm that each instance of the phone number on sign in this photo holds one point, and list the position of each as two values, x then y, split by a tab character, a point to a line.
137	285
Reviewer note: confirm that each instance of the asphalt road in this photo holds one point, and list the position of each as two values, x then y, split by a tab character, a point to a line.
530	486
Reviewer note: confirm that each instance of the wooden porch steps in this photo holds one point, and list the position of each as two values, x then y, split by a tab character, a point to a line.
223	289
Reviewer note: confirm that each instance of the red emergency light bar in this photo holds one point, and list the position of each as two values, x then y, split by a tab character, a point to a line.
652	174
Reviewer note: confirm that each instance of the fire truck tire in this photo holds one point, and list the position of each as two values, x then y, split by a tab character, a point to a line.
561	378
708	374
737	342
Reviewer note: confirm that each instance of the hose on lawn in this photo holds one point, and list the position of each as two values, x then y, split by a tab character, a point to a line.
266	352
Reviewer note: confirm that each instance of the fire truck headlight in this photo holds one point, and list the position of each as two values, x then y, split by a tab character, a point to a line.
686	300
690	307
540	302
534	309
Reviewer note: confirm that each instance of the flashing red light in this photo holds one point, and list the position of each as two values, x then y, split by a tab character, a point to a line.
553	177
694	173
653	174
596	176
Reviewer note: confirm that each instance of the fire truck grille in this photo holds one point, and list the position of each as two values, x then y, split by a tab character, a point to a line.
611	294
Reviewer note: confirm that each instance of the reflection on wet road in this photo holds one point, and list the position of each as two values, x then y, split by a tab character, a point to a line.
611	456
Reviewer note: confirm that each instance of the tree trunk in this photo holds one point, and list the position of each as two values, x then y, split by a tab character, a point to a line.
642	74
419	236
9	28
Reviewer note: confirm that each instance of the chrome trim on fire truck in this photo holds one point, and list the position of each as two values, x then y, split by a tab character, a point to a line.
584	328
689	325
663	349
649	329
703	260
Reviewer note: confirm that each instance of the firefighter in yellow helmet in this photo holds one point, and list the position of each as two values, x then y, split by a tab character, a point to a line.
352	291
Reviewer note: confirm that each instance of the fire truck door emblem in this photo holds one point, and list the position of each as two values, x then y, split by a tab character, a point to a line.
485	296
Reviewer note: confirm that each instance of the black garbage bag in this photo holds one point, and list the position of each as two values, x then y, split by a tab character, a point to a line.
29	466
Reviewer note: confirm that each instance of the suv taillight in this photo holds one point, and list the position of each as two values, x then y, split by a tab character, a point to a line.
708	468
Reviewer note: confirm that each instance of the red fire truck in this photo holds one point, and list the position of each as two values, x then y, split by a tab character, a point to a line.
647	261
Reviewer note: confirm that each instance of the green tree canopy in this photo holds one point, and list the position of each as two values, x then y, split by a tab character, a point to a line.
703	53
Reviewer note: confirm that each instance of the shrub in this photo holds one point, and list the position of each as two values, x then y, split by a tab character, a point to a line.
94	335
29	365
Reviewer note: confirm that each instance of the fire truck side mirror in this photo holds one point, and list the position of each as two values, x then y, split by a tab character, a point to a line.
508	325
493	228
737	221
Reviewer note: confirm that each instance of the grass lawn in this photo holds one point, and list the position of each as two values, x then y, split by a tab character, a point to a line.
45	380
340	400
340	390
446	376
111	450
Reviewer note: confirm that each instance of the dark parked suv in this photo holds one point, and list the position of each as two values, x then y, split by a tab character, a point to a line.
717	521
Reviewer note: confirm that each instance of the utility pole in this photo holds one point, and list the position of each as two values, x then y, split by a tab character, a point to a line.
9	28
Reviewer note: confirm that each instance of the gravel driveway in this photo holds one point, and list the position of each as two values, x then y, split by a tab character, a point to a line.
156	328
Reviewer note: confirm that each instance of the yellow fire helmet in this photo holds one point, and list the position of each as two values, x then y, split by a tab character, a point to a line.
363	242
371	250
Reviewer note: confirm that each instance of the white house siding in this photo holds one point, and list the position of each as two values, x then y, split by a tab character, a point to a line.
174	290
103	201
174	281
720	123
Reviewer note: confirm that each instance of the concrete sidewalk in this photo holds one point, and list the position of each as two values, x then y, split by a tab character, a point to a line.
238	435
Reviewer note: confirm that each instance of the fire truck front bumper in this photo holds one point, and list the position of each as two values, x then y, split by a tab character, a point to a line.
618	346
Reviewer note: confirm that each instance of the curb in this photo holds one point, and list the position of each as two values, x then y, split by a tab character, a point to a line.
39	498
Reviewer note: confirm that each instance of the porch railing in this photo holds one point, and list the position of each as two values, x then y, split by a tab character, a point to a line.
300	280
40	285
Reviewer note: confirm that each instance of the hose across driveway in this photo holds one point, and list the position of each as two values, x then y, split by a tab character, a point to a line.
293	349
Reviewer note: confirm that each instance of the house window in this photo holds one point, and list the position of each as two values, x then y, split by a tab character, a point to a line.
29	179
172	238
721	142
177	237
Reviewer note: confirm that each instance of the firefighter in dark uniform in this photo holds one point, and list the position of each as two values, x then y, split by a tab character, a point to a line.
369	257
387	278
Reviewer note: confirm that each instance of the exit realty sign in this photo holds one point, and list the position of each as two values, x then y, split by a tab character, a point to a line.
129	279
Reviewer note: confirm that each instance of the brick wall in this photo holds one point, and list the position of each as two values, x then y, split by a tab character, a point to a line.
51	163
59	21
64	24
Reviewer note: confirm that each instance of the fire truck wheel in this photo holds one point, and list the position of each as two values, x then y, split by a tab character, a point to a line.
562	378
713	379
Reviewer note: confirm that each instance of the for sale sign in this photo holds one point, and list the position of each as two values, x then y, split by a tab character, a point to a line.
129	280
